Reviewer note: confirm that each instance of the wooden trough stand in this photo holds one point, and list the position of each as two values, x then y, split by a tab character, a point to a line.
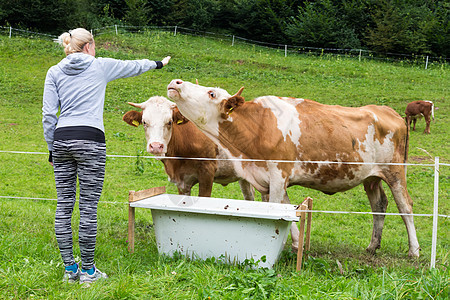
248	224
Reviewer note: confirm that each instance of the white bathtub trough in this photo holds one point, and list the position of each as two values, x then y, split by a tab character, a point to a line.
202	227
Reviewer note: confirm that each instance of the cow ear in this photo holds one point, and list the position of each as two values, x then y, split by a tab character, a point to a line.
231	103
138	105
133	118
178	117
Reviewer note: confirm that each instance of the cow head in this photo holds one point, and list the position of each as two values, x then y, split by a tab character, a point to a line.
205	106
158	117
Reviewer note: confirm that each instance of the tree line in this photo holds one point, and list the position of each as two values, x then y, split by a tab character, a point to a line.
386	26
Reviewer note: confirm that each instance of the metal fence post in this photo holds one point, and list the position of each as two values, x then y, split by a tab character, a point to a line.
426	63
285	50
116	29
435	213
232	43
175	33
360	54
10	31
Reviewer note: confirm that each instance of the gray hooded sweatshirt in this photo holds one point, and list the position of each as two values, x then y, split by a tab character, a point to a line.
76	86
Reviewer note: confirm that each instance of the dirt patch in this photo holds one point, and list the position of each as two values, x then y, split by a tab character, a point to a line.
420	159
110	46
259	65
107	46
375	261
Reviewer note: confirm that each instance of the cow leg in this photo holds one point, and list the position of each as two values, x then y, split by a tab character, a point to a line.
294	228
205	186
278	194
247	190
414	123
265	197
428	121
277	184
184	190
378	203
206	179
404	204
294	236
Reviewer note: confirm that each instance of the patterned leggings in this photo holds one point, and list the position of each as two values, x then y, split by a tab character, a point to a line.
85	159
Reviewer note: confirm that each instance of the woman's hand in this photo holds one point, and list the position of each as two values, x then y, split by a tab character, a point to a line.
165	60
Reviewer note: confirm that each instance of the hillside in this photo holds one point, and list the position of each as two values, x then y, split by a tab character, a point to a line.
30	263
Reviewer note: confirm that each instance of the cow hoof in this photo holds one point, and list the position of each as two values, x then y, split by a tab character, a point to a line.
372	250
414	253
294	248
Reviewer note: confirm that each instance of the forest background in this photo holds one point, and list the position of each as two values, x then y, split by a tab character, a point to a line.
419	27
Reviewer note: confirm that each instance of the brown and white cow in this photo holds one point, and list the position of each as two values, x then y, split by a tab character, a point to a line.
168	136
418	109
270	130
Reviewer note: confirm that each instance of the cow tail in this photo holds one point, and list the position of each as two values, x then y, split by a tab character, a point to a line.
432	110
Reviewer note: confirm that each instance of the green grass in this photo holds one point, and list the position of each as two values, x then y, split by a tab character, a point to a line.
30	264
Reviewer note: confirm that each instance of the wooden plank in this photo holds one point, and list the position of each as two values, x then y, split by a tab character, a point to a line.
131	222
133	197
304	203
139	195
308	226
301	236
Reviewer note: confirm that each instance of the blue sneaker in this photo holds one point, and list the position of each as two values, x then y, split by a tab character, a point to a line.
86	278
71	276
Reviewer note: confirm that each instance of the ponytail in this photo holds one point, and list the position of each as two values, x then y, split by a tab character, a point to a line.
74	40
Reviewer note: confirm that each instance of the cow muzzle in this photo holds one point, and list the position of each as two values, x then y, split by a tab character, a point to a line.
155	148
174	89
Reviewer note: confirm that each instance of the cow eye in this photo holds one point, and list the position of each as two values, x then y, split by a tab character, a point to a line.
169	123
212	94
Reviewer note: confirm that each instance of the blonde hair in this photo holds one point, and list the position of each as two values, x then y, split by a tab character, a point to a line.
74	40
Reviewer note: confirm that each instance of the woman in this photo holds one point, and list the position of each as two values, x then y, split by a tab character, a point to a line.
76	140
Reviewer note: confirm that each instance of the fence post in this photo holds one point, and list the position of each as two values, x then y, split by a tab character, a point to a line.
360	54
426	63
435	213
232	43
10	31
116	29
175	33
285	50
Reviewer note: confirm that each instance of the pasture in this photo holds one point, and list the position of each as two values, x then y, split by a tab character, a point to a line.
338	267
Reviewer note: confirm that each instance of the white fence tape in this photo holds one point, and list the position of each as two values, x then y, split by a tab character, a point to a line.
247	160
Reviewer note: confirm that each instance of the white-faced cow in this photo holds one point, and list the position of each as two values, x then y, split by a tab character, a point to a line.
418	109
169	134
270	130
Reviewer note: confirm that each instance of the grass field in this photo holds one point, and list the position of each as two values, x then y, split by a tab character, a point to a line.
338	266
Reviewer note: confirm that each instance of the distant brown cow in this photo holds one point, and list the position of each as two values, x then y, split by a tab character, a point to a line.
416	109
